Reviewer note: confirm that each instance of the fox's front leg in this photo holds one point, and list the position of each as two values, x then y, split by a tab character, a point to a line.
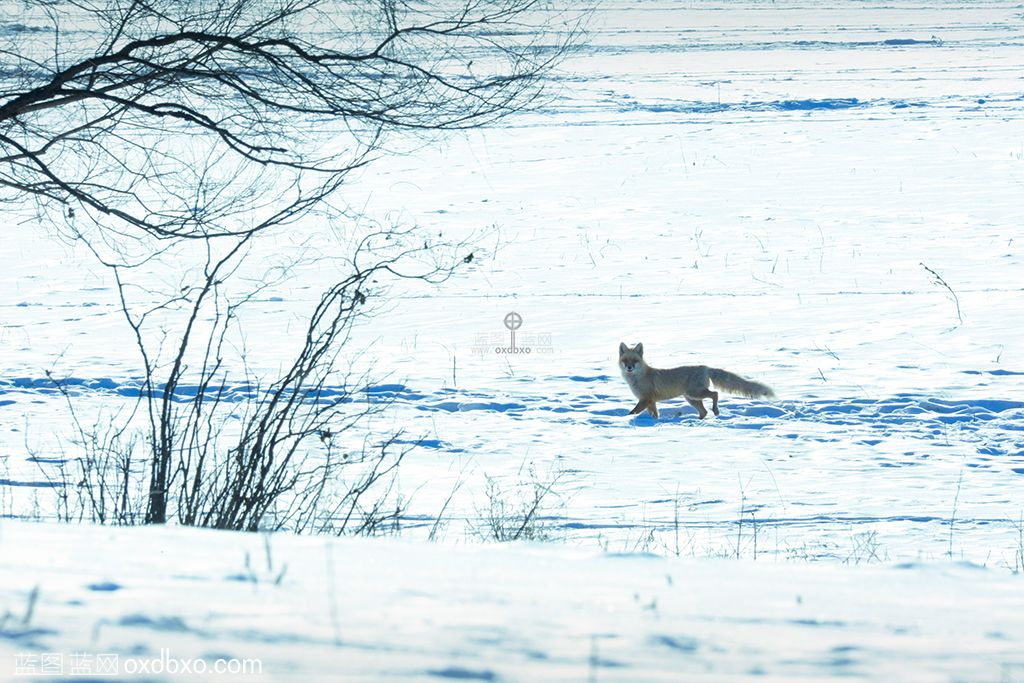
639	408
652	408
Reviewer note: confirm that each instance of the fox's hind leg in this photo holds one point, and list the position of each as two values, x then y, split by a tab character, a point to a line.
713	395
699	405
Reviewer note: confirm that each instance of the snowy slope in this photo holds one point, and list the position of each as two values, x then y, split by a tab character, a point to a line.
367	610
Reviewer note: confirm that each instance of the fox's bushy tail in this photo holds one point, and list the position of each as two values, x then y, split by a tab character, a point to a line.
734	384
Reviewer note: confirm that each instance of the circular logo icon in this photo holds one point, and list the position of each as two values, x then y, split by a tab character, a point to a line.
513	321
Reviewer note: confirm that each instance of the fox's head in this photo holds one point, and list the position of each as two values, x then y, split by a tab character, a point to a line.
631	360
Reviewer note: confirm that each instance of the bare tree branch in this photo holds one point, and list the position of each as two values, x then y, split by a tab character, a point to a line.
106	107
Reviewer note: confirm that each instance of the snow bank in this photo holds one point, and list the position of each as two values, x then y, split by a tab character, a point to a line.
311	609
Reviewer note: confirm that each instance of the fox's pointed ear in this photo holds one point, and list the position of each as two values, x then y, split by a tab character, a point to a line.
639	348
622	348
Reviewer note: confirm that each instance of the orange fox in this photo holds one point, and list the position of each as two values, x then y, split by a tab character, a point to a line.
693	382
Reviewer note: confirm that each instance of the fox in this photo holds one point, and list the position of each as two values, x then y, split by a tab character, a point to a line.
692	382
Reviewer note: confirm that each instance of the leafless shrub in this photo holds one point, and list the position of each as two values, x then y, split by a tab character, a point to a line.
520	513
940	281
866	548
99	483
289	452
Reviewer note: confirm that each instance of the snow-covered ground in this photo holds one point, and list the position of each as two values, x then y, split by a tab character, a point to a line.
322	609
756	186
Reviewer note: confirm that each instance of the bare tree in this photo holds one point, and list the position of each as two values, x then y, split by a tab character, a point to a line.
187	119
185	129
